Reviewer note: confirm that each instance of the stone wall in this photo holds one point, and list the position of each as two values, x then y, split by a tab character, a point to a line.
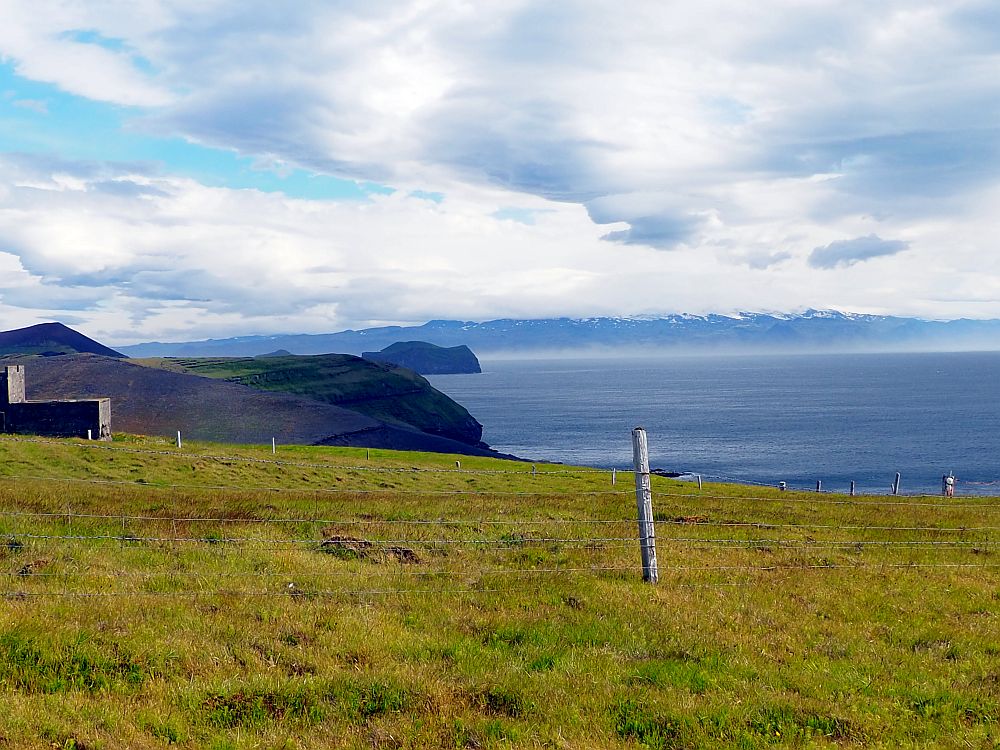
12	385
50	418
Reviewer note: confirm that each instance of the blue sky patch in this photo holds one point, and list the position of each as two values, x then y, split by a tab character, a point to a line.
425	195
40	119
91	36
520	215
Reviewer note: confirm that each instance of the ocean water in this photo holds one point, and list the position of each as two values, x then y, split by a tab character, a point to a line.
797	419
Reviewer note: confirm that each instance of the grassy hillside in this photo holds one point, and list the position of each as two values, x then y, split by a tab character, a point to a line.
151	401
383	391
214	597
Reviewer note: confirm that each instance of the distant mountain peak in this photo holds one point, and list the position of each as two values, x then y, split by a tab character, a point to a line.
51	339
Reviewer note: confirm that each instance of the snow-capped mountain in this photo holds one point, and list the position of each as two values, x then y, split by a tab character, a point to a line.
810	331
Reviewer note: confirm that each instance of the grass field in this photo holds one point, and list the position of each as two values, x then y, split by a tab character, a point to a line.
222	597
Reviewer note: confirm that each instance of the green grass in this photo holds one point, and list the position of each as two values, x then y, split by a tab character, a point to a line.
512	627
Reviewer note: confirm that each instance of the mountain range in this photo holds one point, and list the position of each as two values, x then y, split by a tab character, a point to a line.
811	331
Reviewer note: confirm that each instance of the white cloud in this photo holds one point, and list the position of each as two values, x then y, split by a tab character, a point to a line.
719	144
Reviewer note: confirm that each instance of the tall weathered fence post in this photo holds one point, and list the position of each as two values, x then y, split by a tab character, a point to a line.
274	446
699	481
644	501
852	488
614	476
895	485
178	438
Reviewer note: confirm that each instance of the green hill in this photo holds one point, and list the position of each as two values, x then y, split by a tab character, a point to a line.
386	392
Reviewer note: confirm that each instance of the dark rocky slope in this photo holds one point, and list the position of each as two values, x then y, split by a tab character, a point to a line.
50	339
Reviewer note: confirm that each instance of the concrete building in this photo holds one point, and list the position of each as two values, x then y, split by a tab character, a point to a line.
70	418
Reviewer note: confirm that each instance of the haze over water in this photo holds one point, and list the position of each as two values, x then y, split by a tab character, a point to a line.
798	419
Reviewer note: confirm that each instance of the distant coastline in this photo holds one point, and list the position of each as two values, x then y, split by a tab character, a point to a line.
810	331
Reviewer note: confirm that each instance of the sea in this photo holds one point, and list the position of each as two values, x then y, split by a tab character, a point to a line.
799	419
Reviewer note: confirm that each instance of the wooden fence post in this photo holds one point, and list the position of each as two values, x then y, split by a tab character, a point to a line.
819	485
274	447
178	438
699	481
644	501
852	488
614	472
895	485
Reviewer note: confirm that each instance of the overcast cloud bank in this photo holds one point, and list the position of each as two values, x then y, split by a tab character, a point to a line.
512	159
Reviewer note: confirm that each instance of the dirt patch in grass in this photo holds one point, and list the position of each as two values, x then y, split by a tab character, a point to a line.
33	566
352	548
501	701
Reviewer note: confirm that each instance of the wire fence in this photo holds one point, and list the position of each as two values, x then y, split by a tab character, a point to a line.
555	533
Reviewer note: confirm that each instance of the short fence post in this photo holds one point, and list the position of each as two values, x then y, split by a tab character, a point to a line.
458	464
699	481
534	471
852	488
895	485
644	501
368	454
90	434
819	485
178	438
613	473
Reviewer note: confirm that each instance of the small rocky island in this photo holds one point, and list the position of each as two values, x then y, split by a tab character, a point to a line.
428	359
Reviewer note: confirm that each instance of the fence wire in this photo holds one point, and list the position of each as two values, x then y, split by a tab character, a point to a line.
690	545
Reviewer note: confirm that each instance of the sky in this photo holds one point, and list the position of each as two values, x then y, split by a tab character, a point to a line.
173	170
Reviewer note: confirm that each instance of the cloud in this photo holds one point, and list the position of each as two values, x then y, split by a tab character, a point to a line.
571	103
844	253
662	232
35	105
741	138
762	260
